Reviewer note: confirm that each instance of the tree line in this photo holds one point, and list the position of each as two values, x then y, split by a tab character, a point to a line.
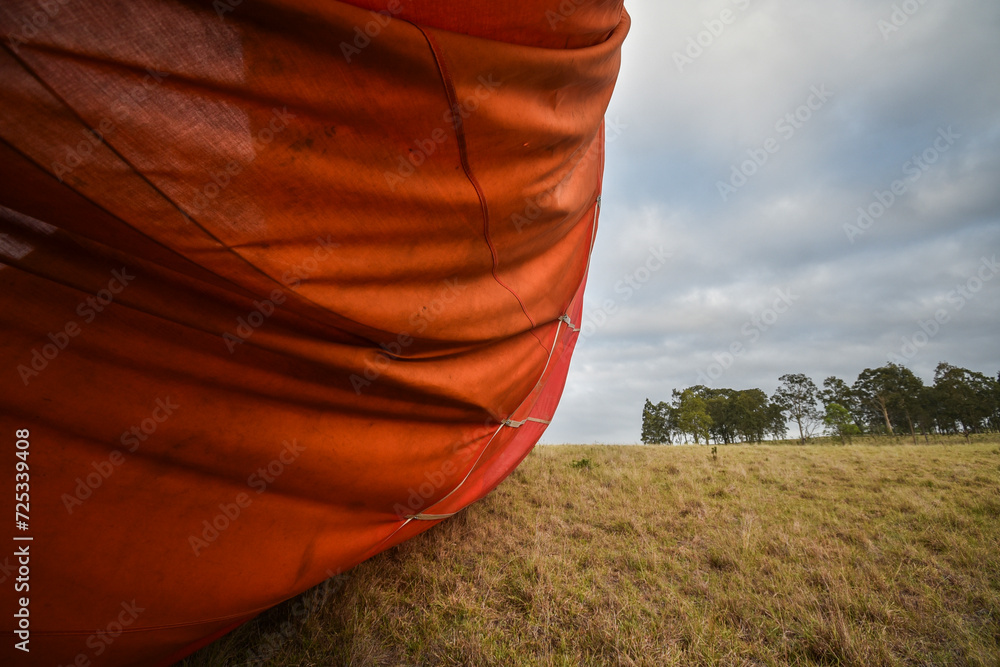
890	400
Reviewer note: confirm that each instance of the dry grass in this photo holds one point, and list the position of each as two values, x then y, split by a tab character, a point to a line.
770	555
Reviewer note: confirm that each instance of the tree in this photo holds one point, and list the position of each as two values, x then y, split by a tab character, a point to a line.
994	419
777	425
926	412
909	392
837	391
751	408
797	396
691	413
839	422
721	407
656	423
963	397
876	392
888	394
887	399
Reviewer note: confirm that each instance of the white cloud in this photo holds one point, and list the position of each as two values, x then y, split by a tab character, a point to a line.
784	228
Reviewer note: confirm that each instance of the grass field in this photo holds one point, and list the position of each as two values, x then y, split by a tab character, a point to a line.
769	555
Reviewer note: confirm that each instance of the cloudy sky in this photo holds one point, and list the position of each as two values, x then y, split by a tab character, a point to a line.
822	181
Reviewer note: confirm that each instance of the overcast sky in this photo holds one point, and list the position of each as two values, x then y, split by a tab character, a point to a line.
743	138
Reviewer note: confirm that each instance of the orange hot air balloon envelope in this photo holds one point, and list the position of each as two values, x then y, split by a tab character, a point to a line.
283	284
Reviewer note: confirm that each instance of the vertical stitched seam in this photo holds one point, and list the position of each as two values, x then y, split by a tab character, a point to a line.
464	157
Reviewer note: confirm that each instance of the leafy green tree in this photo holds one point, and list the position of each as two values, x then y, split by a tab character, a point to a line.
909	394
994	420
837	391
777	425
889	399
722	409
656	423
877	392
797	396
691	412
964	397
925	415
751	408
839	422
889	395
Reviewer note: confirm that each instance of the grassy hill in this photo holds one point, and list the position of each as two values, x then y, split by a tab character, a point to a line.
776	554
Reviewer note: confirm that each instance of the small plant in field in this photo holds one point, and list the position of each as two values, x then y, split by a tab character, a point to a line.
715	453
582	464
